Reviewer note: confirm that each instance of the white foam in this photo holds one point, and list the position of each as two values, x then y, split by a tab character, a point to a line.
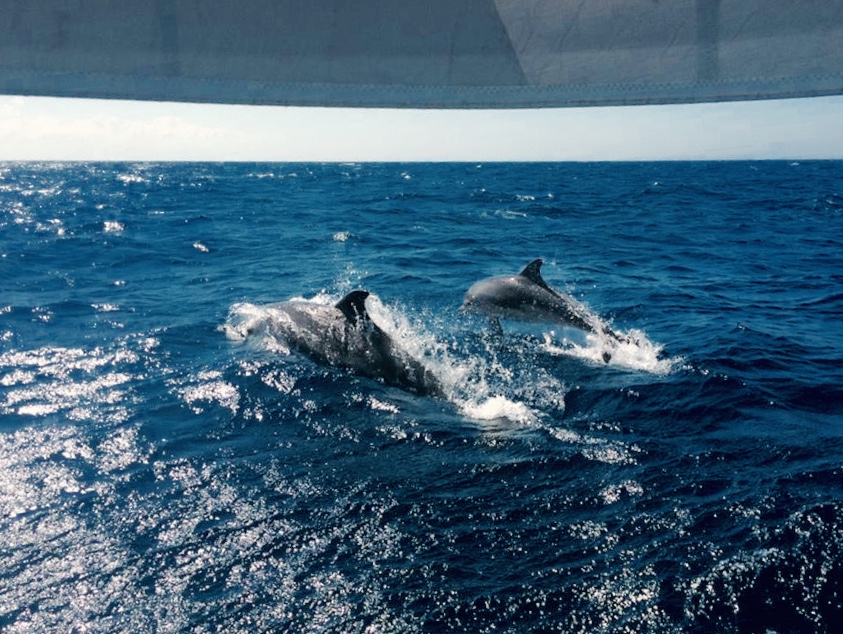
465	381
382	406
636	352
243	319
131	178
106	308
496	408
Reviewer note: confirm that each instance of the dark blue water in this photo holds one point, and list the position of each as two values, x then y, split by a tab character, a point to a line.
164	469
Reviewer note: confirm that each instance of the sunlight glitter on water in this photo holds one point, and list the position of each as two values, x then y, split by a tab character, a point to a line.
163	474
50	380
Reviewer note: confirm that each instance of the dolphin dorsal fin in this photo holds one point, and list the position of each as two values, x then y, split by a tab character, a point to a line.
353	306
533	273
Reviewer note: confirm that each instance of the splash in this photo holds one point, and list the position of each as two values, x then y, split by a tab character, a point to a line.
255	324
471	382
496	408
480	386
634	351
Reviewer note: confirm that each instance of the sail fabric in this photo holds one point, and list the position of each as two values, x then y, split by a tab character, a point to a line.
423	54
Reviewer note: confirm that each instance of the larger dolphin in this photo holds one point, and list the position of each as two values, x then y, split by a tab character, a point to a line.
344	335
527	297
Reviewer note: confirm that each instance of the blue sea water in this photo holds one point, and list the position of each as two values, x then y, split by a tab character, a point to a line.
163	468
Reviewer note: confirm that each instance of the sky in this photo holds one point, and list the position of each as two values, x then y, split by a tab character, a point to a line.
45	128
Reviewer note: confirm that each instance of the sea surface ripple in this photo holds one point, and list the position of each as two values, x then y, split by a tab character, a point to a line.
163	468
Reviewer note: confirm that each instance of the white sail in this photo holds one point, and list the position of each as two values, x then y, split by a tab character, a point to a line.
423	54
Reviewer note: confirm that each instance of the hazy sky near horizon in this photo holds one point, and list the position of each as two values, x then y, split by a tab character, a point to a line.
45	128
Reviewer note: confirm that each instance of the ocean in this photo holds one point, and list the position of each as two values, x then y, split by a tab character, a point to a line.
168	463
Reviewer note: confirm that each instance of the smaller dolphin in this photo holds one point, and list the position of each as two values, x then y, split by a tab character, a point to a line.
527	297
344	335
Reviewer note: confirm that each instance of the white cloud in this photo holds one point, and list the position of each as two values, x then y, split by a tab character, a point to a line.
47	131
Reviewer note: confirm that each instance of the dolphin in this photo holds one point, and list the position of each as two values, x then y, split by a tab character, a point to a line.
527	297
344	335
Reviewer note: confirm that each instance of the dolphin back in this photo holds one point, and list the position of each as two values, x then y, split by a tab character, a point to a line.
353	306
345	335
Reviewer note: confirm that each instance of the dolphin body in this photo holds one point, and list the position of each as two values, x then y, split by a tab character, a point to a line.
527	297
344	335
